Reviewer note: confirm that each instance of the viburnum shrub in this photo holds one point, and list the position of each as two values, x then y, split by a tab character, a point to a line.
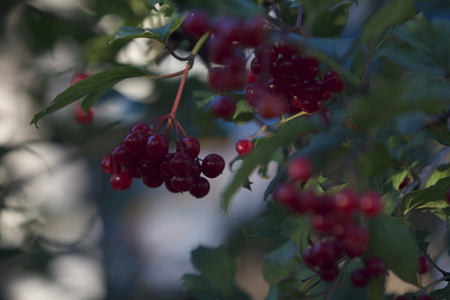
357	126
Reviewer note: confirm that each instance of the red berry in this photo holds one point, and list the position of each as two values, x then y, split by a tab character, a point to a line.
375	266
223	107
333	82
181	163
153	181
402	297
222	79
309	257
286	194
121	181
327	252
140	127
299	169
189	145
157	145
134	143
355	240
109	166
371	204
82	118
345	203
244	147
424	264
253	33
447	196
79	76
122	157
200	188
329	272
182	184
360	277
323	222
196	23
424	297
213	165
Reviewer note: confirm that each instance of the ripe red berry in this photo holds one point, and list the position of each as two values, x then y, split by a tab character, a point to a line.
375	266
181	163
200	188
360	277
424	264
140	127
327	252
182	184
371	204
122	157
286	194
189	145
299	169
153	181
355	240
333	82
157	145
244	147
424	297
402	297
213	165
329	272
120	181
309	257
81	117
196	23
221	79
223	107
134	143
447	196
345	203
109	166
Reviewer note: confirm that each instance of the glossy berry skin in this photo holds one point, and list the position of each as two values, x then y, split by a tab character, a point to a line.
196	23
212	165
223	107
360	277
424	264
375	266
200	188
122	157
157	145
109	166
82	118
329	272
120	181
181	163
333	82
299	169
134	143
189	145
140	127
244	147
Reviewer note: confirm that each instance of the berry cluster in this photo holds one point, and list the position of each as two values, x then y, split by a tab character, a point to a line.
144	153
333	218
286	80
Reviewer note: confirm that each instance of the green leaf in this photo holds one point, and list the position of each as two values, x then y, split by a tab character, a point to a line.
421	235
262	155
281	262
160	34
441	172
244	112
216	280
441	294
240	8
269	226
92	87
332	21
431	198
391	240
441	134
390	14
298	229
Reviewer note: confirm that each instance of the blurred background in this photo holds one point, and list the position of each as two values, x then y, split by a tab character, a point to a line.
64	233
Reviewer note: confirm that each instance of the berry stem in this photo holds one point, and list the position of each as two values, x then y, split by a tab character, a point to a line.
298	23
165	76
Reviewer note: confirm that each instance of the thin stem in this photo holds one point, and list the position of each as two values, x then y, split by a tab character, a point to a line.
180	90
165	76
298	23
181	128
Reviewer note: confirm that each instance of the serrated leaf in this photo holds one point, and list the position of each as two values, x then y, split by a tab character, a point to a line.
92	87
160	34
262	155
244	112
391	240
388	15
269	226
430	198
216	280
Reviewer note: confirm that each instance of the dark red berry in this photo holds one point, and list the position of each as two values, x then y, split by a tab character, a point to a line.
182	184
299	169
223	107
181	163
333	82
375	266
309	257
109	166
189	145
371	204
286	194
355	240
122	157
134	143
157	145
141	128
222	79
253	33
402	297
329	272
244	147
212	165
200	188
360	277
196	23
424	264
153	181
120	181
